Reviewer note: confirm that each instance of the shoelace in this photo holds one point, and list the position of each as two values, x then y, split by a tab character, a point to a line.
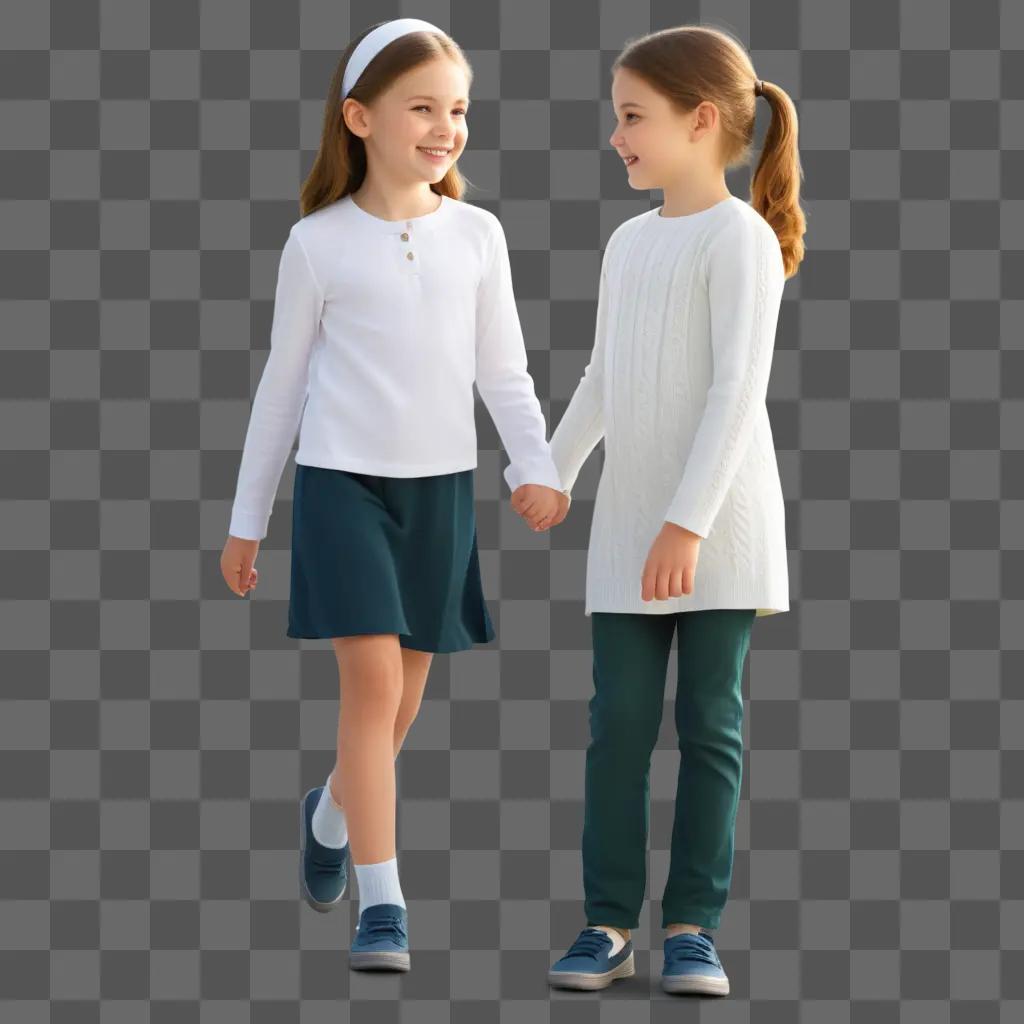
589	943
698	948
390	925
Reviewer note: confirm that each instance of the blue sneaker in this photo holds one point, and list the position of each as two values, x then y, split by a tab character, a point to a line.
381	942
587	964
324	868
692	965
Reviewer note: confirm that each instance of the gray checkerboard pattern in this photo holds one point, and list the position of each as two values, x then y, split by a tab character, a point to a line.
156	732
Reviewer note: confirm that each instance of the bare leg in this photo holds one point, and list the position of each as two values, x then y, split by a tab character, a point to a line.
415	668
370	674
676	929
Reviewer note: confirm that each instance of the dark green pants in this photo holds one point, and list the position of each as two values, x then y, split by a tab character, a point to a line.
631	652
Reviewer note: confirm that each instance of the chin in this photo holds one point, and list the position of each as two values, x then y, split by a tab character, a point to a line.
438	175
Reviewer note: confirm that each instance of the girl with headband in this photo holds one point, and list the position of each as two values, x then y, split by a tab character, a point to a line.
393	297
689	298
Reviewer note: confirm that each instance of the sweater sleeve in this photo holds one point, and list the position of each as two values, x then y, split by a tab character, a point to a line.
582	424
502	377
745	279
281	395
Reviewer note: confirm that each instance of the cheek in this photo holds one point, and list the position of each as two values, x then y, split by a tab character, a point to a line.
408	131
658	151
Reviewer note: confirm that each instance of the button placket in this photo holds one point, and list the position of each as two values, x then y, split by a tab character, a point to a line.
409	256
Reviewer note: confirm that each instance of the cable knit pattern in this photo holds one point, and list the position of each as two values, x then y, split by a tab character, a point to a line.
676	385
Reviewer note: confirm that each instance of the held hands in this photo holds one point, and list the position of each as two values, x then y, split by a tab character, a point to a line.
668	572
671	563
236	564
542	507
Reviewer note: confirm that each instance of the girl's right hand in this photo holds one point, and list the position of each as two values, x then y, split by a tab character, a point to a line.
671	563
236	564
564	501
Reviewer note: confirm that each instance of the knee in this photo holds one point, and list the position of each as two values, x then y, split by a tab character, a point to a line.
373	685
716	720
377	694
625	726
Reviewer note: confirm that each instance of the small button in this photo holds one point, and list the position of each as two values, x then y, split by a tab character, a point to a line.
405	236
408	255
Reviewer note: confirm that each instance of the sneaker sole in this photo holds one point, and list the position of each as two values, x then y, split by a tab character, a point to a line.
695	985
381	961
316	904
588	982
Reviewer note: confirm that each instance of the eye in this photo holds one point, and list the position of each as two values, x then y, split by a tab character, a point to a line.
628	116
426	106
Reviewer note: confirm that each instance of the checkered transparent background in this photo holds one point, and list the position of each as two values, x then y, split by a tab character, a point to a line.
156	732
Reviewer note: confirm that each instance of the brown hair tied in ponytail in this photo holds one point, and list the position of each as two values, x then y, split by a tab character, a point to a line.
691	64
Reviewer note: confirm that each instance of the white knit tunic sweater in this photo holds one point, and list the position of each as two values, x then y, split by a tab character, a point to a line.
676	385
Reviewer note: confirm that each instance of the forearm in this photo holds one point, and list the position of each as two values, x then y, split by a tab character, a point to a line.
578	431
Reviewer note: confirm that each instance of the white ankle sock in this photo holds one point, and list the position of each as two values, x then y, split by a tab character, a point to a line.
330	828
378	883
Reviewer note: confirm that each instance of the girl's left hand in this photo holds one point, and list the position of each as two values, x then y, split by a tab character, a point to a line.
537	504
671	563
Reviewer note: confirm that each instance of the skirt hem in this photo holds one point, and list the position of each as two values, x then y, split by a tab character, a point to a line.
405	638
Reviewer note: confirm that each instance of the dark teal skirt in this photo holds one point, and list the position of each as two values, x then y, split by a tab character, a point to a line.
378	554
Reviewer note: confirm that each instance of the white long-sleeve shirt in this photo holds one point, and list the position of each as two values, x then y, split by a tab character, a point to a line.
380	330
676	385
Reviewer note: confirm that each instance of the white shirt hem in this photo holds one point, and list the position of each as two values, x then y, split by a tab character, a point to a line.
377	467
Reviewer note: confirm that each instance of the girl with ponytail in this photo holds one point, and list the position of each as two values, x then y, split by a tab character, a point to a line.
688	301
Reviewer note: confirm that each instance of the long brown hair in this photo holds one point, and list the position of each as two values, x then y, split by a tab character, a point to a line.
689	64
340	164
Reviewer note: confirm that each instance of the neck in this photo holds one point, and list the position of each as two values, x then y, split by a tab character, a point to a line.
693	193
395	200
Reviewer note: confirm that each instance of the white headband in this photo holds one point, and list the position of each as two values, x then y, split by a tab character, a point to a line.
373	42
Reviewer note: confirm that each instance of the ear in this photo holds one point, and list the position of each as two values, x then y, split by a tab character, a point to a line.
704	118
353	113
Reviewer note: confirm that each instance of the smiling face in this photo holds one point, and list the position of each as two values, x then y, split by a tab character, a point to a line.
424	109
654	139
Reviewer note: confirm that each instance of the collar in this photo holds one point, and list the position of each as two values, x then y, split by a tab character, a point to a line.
424	222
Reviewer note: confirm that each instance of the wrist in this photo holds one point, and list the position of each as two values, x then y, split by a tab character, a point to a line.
676	528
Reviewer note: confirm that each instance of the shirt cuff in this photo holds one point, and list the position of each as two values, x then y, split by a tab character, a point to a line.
248	525
682	514
541	472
